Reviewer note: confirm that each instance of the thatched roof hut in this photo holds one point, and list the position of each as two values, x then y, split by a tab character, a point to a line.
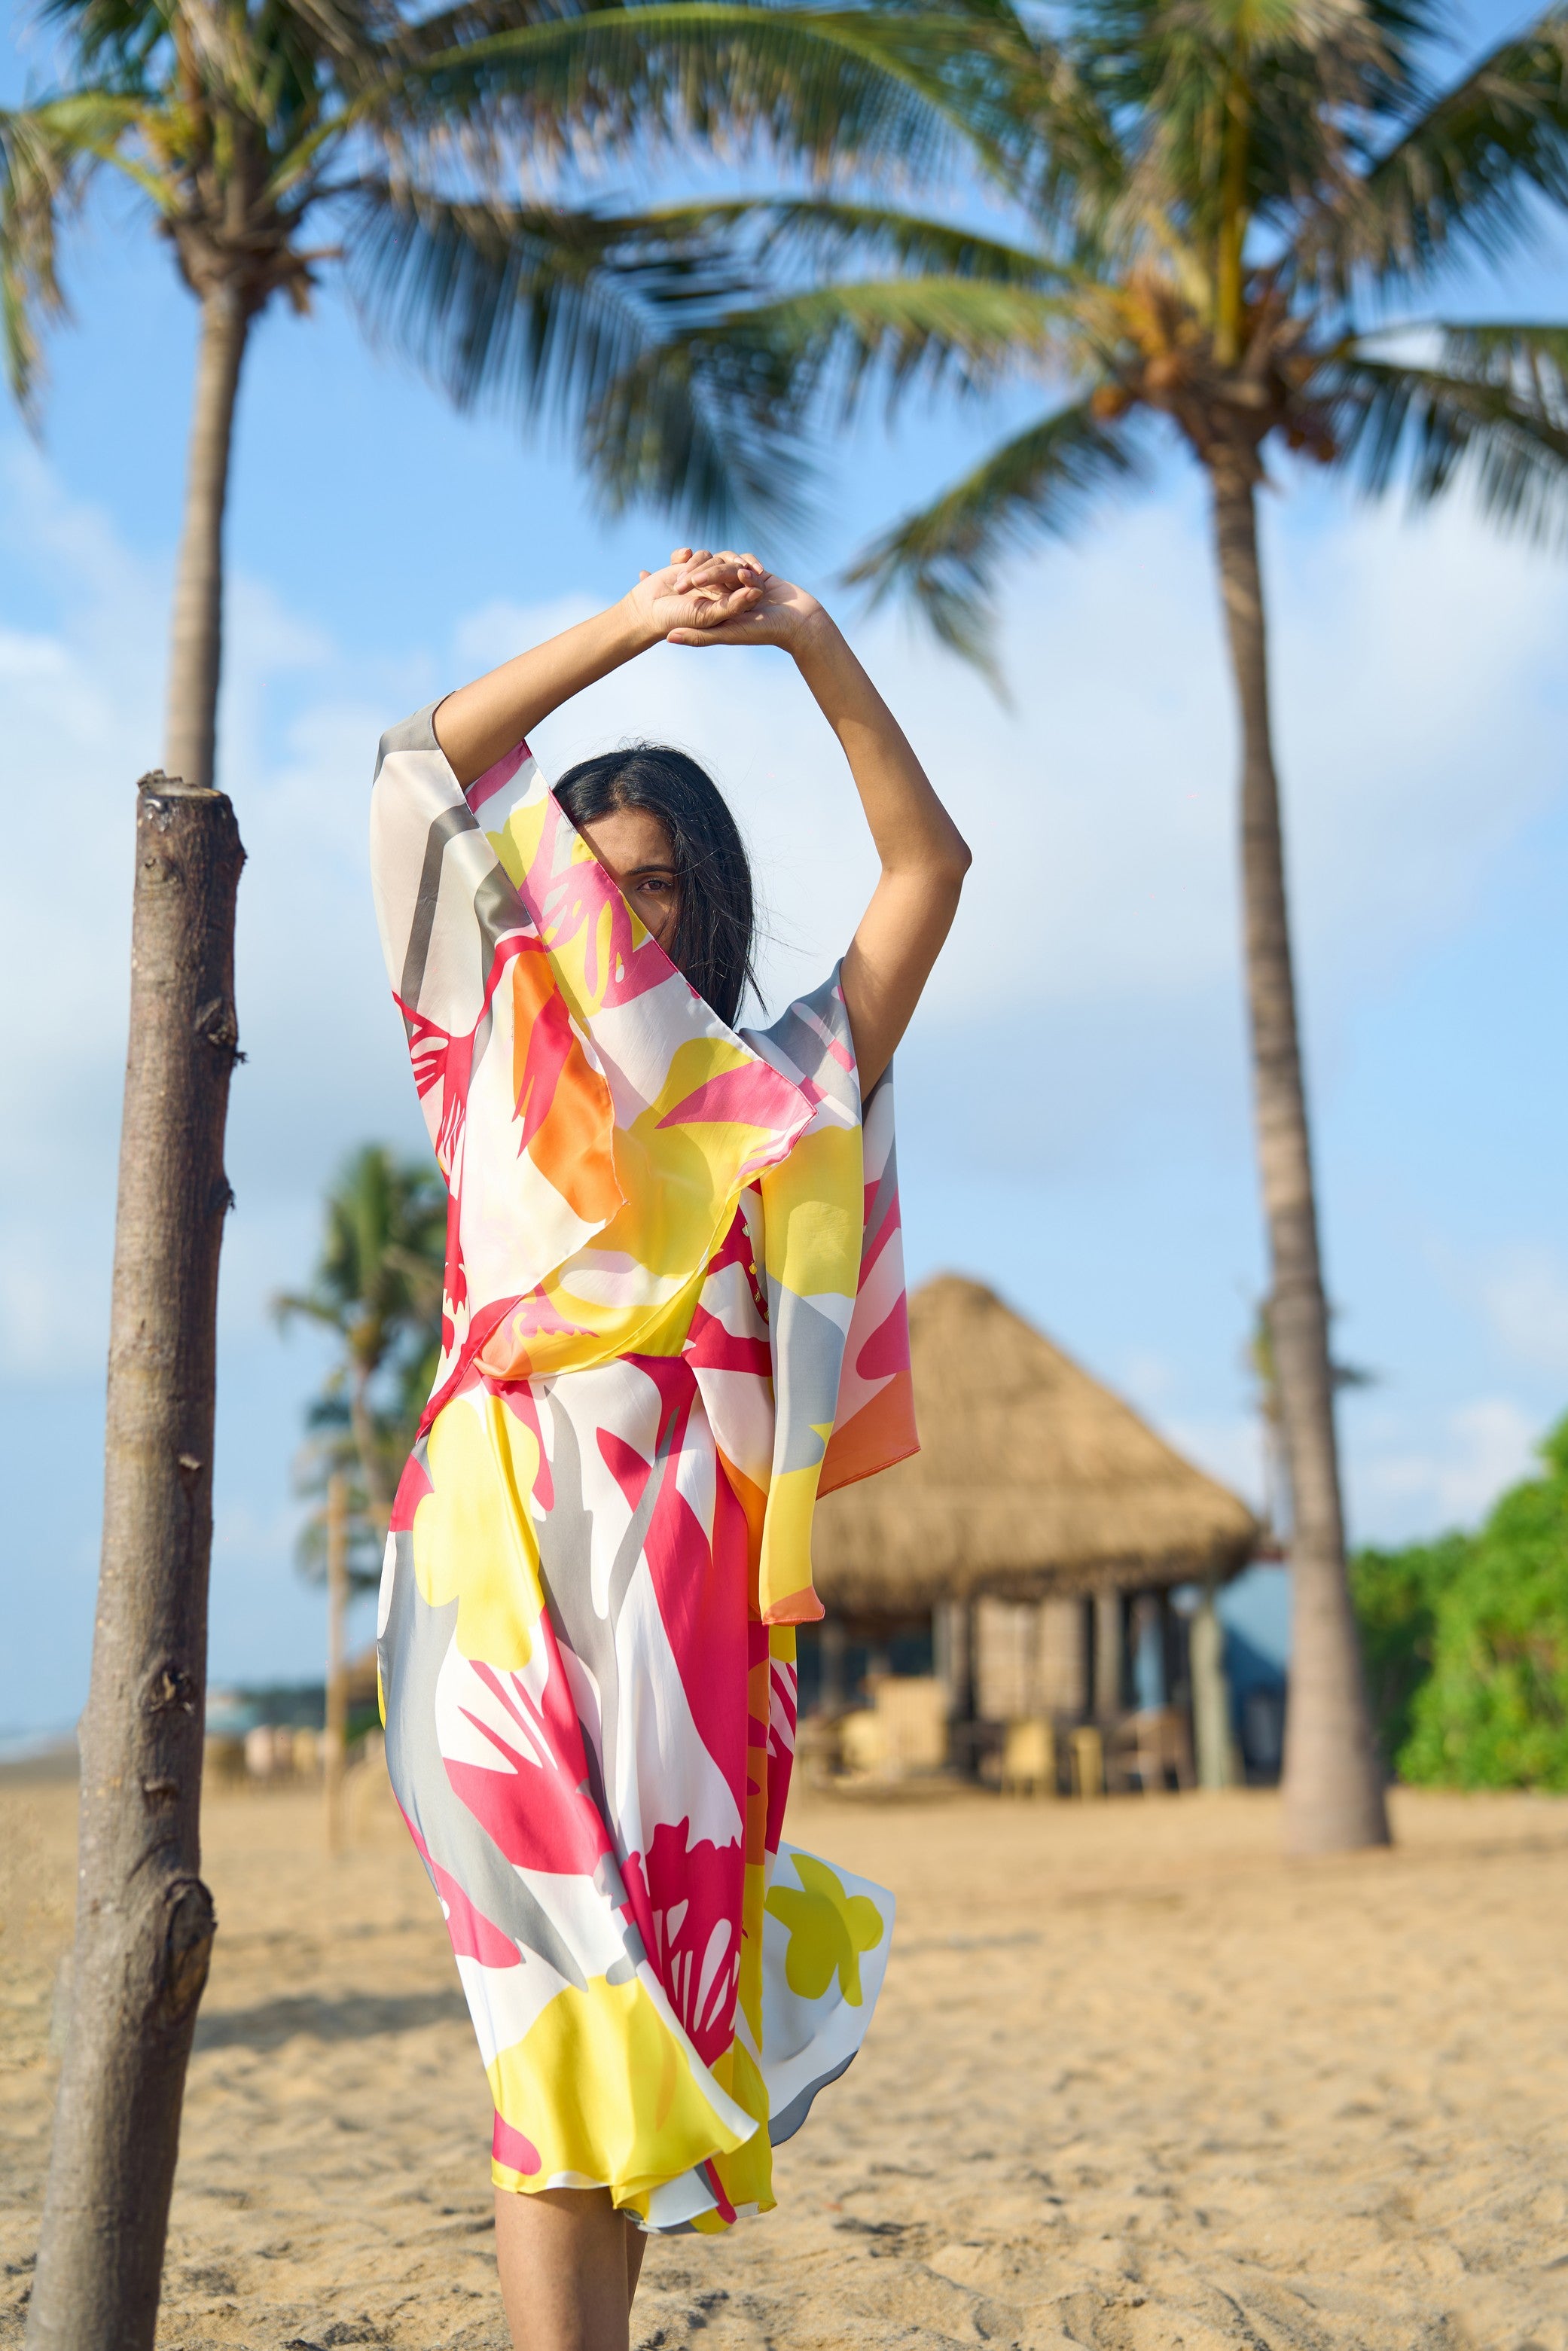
1033	1481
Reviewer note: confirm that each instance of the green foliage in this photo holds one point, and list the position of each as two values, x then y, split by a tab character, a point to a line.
1397	1594
377	1287
1494	1711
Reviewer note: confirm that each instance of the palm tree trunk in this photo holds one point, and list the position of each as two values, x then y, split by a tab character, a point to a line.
376	1499
335	1732
196	646
1333	1784
144	1919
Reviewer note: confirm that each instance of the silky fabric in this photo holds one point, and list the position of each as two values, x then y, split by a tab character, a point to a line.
674	1314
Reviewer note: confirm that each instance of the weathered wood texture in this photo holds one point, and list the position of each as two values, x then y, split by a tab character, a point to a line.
144	1919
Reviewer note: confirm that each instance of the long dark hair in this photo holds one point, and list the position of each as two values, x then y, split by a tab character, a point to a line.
716	925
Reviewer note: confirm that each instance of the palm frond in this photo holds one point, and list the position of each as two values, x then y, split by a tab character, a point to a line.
1460	177
833	345
709	430
1492	410
739	395
538	307
875	86
1038	484
817	233
47	154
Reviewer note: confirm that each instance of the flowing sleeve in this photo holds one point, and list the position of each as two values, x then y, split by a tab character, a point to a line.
588	1110
837	1317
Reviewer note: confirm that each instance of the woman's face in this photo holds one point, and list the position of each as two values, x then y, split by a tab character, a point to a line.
634	848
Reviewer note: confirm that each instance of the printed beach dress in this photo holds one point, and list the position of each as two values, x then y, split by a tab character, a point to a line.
673	1314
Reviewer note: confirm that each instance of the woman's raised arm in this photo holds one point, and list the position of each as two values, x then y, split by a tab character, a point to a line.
923	856
480	723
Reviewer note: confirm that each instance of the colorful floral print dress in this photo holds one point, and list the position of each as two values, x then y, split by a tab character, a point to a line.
673	1314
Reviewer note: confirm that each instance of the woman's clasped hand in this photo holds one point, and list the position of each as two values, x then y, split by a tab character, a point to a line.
724	598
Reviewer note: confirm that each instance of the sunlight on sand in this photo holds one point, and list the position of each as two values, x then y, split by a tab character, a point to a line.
1135	2083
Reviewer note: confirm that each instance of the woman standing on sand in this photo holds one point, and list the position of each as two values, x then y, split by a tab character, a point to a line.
673	1314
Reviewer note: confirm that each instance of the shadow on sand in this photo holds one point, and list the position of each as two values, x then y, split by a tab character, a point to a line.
356	2016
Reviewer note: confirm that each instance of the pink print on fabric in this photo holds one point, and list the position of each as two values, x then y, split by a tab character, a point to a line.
749	1096
686	1902
474	1937
508	2146
700	1587
495	780
536	1808
569	897
412	1489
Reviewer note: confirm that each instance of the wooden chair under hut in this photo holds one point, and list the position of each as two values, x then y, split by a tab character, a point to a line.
1028	1552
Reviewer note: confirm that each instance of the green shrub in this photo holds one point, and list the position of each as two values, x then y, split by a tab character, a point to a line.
1397	1595
1493	1712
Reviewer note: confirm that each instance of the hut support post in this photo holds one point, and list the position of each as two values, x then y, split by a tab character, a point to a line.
1110	1656
144	1919
1216	1758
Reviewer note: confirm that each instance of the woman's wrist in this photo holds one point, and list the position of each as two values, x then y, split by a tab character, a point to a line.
631	627
814	638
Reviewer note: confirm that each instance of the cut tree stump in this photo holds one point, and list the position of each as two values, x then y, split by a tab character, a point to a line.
144	1919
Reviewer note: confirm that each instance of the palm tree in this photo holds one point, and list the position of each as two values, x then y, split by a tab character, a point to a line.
1219	204
276	142
376	1286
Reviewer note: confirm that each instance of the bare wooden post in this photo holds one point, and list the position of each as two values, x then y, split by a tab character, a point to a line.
1109	1658
336	1741
1210	1697
144	1919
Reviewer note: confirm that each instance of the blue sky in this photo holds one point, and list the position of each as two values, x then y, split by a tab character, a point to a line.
1073	1104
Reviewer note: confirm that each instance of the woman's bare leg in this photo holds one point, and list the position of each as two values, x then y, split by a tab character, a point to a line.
568	2263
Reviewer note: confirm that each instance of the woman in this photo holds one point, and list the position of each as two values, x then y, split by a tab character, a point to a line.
674	1314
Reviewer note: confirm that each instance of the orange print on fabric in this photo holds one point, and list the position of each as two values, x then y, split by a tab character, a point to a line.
563	1103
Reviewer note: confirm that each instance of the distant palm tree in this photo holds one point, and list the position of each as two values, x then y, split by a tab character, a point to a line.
1218	203
377	1287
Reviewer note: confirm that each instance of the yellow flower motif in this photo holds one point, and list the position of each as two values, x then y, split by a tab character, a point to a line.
827	1929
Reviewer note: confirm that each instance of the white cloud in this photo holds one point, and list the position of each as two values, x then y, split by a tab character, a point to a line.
1230	1449
1420	720
1484	1447
1524	1296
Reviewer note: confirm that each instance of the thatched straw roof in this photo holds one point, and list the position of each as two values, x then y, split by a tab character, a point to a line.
1032	1480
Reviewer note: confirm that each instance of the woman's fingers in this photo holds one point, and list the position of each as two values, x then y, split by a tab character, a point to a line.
728	625
703	567
717	571
707	608
740	563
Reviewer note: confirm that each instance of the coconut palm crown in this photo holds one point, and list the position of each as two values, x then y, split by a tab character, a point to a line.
1229	215
276	142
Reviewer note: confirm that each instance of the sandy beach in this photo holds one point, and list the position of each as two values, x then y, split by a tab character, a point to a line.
1135	2083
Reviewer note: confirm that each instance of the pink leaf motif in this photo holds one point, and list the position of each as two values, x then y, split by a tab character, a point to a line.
687	1900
